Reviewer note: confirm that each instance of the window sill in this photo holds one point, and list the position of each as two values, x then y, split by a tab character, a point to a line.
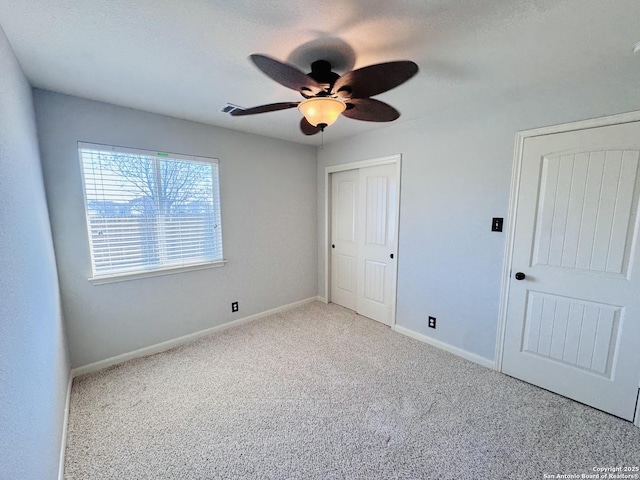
124	277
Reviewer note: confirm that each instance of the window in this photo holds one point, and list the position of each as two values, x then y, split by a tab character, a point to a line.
150	211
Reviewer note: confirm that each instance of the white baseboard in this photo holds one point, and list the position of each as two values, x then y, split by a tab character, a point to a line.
163	346
485	362
63	440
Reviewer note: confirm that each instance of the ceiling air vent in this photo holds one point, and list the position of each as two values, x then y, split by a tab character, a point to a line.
230	108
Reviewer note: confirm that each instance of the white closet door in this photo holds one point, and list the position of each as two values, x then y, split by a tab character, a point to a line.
573	318
377	242
364	211
344	237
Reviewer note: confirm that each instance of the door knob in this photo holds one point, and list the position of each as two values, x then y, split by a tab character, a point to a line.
391	255
333	245
520	276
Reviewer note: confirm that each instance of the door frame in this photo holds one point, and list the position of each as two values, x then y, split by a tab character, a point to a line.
513	205
373	162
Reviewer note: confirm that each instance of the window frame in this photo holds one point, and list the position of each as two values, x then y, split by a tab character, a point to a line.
161	270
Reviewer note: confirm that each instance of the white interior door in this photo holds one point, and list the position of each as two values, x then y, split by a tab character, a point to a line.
364	211
573	321
377	242
344	247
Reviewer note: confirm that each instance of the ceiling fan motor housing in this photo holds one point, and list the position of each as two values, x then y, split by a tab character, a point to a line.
321	73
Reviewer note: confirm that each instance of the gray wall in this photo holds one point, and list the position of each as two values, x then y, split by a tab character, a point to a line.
268	197
456	174
34	366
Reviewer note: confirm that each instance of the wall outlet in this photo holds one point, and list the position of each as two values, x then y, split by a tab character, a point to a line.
234	306
432	322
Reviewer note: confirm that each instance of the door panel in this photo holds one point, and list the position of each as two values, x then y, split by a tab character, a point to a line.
584	217
374	273
376	210
376	267
345	267
346	202
344	208
573	323
571	331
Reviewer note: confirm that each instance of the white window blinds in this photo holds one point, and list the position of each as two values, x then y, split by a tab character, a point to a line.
149	211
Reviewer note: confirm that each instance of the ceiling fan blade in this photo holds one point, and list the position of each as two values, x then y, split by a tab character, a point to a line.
271	107
285	74
375	79
370	110
307	128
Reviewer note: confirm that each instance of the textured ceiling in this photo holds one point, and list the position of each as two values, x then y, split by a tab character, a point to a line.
186	58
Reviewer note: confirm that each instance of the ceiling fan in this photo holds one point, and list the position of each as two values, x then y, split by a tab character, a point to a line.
327	94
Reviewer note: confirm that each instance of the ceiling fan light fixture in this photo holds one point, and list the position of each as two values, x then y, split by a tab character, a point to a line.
322	111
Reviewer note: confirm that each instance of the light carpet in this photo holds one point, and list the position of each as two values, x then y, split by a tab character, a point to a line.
319	392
